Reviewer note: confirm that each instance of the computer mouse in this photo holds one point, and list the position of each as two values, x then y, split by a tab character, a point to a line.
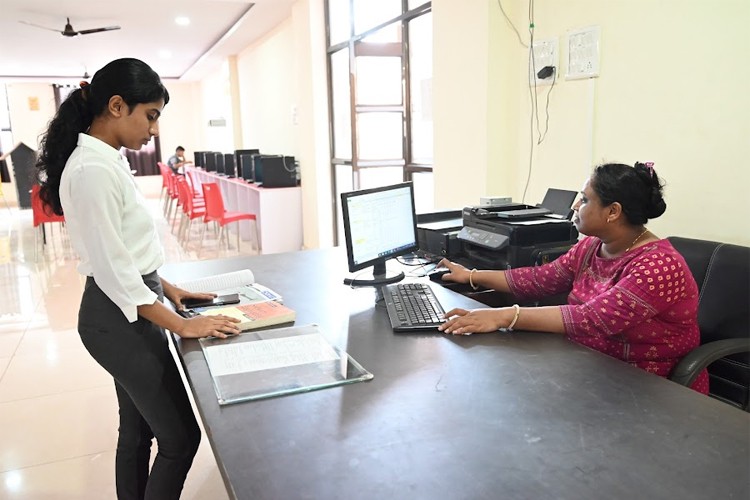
437	275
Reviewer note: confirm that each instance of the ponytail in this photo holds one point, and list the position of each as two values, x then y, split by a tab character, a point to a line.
61	138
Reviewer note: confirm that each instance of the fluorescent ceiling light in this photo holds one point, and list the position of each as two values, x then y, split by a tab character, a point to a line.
182	20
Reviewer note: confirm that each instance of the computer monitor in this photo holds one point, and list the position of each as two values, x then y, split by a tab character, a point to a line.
245	167
379	224
219	163
229	166
209	158
240	152
199	158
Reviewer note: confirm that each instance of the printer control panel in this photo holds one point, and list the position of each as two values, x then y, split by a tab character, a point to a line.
483	238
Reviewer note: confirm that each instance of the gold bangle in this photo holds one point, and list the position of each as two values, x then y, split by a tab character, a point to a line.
515	318
471	281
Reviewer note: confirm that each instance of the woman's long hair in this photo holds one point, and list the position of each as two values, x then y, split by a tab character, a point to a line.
131	79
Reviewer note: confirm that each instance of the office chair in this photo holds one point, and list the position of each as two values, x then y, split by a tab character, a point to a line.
722	272
215	212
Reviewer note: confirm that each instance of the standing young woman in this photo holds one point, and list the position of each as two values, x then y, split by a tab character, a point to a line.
122	319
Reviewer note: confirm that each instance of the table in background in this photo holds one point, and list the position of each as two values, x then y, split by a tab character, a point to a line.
521	415
278	210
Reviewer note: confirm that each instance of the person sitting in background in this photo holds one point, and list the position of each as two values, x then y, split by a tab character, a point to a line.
177	160
631	294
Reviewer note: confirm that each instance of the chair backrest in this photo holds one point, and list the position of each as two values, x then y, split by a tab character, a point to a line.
722	272
165	171
42	213
214	201
191	182
183	195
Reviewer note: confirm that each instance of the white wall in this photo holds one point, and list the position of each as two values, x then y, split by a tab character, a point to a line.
267	76
671	90
178	125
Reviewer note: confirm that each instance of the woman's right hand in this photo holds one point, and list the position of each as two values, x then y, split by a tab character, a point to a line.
219	326
456	272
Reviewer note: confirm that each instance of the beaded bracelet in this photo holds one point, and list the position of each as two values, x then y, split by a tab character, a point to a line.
515	318
471	280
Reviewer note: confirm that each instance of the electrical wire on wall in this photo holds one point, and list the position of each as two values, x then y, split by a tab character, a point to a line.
546	72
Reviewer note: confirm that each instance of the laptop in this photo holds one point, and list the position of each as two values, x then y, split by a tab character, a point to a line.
556	203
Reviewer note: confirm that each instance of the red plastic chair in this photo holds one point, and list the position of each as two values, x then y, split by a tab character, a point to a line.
215	212
164	170
190	210
41	214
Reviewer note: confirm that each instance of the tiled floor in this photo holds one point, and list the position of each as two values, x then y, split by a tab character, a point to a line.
58	411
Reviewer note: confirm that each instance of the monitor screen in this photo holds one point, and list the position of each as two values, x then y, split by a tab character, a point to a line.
209	161
559	201
219	163
238	154
379	224
199	157
245	168
229	168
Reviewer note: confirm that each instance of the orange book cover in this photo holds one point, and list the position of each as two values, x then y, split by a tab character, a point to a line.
256	315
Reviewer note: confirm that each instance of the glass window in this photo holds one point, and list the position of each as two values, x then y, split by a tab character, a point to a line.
380	136
371	13
379	80
420	61
368	112
338	21
342	128
380	176
344	183
424	187
390	33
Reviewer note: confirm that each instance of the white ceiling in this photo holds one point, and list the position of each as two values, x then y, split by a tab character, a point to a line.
218	28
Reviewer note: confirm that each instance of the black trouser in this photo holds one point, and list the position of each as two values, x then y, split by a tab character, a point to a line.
152	398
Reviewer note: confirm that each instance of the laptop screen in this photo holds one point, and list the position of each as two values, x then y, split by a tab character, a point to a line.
559	201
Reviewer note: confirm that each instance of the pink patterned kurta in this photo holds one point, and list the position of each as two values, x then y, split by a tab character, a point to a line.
641	307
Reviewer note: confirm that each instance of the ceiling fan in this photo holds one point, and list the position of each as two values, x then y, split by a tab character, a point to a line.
69	31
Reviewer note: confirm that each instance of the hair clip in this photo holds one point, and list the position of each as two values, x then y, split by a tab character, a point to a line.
83	83
649	165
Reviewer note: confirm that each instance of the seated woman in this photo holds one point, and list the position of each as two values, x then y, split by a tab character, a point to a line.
631	294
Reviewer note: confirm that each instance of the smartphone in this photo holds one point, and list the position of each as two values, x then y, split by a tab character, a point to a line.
221	300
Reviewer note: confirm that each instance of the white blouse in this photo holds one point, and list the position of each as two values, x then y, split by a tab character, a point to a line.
109	224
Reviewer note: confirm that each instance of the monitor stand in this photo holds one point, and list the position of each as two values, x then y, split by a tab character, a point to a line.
380	277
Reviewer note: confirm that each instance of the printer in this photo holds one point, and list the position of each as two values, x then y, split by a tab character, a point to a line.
494	237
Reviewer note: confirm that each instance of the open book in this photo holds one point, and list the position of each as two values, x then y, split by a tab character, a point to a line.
256	315
239	282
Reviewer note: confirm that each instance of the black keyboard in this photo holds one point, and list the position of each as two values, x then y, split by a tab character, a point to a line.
412	307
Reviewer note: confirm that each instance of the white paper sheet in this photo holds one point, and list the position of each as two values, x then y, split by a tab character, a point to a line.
268	354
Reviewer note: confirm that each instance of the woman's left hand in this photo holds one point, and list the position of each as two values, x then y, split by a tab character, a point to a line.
464	322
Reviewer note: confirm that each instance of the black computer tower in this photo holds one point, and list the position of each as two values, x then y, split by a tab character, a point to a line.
279	171
229	167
